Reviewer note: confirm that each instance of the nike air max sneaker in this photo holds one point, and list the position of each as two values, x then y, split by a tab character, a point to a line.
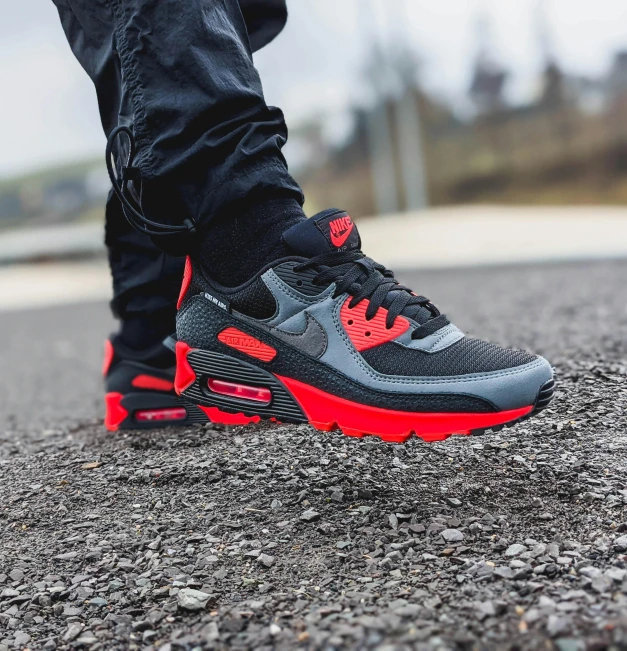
330	338
139	388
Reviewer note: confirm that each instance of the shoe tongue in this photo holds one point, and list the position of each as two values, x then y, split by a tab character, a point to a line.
330	230
333	230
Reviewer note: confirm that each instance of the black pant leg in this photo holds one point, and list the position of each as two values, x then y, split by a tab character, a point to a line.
101	34
145	279
181	73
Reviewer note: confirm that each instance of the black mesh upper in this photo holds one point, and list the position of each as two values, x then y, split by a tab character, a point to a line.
255	300
463	357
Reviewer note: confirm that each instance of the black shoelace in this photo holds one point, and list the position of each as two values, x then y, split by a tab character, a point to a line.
357	275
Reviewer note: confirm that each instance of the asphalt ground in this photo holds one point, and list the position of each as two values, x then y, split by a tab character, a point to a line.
300	539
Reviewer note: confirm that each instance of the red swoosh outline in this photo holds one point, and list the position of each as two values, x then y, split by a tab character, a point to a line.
338	241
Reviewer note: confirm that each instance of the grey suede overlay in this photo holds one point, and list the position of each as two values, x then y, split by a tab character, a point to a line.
435	342
289	301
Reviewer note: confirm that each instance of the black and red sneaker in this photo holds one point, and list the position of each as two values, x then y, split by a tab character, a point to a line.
139	388
329	337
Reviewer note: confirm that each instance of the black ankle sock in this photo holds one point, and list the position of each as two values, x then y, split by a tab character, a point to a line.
142	331
238	244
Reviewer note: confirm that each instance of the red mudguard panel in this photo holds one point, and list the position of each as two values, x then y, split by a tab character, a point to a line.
247	344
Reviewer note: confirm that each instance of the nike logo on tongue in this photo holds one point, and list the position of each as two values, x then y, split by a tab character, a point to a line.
328	231
340	230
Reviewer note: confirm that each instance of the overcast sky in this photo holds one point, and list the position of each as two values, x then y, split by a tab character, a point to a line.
48	110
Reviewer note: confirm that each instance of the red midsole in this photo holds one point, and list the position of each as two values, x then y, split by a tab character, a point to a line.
321	407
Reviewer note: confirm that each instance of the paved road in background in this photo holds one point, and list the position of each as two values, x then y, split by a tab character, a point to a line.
298	539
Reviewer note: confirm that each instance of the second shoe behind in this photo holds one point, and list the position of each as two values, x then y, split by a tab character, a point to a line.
139	389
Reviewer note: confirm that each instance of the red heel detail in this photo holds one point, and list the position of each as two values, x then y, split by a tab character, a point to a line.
185	375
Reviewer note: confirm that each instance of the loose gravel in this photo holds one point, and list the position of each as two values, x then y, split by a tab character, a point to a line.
279	537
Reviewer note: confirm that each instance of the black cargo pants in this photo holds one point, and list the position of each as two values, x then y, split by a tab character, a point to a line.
181	73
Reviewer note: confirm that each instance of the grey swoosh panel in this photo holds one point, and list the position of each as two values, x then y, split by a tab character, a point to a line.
289	300
311	339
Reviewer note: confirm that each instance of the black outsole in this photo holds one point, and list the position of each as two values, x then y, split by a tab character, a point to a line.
545	395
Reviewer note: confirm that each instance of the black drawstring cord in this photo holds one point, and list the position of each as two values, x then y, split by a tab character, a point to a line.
132	209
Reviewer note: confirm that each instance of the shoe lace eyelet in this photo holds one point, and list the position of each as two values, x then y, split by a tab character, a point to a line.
367	333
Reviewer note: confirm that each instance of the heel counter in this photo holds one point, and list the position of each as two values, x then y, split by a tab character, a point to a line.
128	376
200	310
193	283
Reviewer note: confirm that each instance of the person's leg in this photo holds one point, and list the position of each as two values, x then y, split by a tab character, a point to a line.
146	280
181	74
209	148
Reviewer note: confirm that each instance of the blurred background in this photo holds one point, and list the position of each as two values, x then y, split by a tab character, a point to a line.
394	106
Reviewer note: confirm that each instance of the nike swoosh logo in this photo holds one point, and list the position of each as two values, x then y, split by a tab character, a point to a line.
338	240
312	340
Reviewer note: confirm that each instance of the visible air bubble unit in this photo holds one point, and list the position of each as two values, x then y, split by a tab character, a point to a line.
150	415
242	391
214	380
